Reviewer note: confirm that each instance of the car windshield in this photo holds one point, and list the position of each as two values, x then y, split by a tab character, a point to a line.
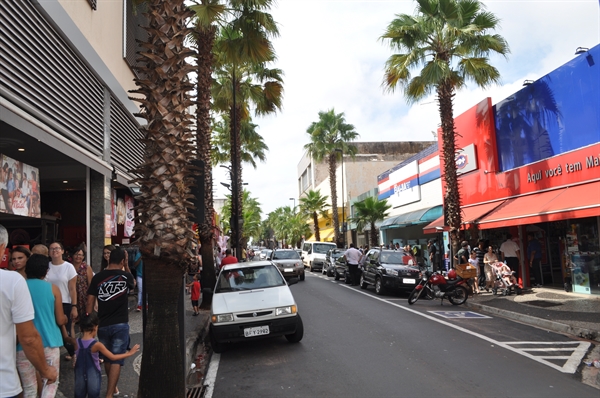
249	278
392	258
337	254
321	248
285	255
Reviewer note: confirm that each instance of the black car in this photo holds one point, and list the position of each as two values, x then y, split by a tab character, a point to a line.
389	270
330	258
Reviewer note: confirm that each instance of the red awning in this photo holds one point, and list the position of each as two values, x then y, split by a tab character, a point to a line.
560	204
469	215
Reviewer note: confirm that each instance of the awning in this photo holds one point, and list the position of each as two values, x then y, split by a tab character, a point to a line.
560	204
469	215
420	216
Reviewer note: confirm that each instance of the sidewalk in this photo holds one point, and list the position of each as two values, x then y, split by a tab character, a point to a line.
554	310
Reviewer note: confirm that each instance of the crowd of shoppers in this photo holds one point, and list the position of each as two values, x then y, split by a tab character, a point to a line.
42	296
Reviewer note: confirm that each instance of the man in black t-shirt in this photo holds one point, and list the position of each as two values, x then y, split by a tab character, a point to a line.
463	254
111	288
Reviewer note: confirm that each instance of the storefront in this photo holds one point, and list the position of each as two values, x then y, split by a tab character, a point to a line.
537	156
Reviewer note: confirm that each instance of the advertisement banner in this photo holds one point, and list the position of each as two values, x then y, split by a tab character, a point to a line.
19	188
405	183
129	216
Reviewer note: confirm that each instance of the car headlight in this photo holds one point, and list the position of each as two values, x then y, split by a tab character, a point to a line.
392	272
289	310
220	318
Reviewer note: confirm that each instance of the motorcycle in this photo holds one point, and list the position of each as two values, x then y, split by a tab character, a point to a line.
434	285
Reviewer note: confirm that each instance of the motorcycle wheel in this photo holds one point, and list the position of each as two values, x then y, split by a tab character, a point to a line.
414	296
459	295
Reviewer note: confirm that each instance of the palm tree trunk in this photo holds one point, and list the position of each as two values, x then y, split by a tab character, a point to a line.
316	222
452	211
333	187
235	118
205	40
161	336
373	235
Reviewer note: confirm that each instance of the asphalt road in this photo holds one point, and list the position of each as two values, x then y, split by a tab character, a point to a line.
357	344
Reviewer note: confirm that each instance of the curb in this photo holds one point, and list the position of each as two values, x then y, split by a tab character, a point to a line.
192	341
584	333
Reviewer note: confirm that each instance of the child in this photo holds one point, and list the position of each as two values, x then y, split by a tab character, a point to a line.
88	376
474	261
195	285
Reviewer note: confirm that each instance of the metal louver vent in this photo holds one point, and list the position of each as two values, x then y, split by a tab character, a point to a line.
126	150
39	69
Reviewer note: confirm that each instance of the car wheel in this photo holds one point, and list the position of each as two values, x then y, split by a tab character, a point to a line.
363	284
298	334
336	276
379	289
347	278
217	347
302	276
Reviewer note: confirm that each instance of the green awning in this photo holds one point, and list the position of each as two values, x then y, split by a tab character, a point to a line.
415	217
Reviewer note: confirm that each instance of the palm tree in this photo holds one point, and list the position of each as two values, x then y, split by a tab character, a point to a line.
163	227
451	41
329	140
367	213
251	214
311	206
252	144
244	50
297	228
207	14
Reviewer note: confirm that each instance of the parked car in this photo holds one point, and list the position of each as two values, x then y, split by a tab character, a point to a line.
340	270
313	254
252	301
265	253
289	263
389	270
330	258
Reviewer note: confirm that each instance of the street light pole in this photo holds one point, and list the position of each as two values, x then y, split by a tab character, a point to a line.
294	199
343	201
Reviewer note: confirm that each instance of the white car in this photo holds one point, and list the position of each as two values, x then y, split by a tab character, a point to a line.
250	301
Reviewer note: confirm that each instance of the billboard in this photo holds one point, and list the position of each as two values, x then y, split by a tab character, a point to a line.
19	188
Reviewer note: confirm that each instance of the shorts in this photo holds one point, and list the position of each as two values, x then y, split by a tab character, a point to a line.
194	303
116	339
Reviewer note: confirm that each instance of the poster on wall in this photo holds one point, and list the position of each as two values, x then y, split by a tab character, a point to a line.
19	188
129	216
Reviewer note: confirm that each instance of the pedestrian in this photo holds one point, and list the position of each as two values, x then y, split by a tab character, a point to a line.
111	287
88	375
432	254
480	251
474	261
138	263
195	293
48	319
353	257
84	277
40	249
62	274
19	258
534	256
228	259
105	256
511	254
16	322
489	259
462	256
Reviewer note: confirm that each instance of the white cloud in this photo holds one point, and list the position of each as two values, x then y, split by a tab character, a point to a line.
331	57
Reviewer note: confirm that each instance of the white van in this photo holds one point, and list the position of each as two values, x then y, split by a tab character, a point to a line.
313	254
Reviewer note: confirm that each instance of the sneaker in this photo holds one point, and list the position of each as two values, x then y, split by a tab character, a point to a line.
138	309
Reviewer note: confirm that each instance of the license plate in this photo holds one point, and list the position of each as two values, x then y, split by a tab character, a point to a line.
407	281
288	270
256	331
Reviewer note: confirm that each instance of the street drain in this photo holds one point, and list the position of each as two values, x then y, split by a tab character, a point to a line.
542	303
196	392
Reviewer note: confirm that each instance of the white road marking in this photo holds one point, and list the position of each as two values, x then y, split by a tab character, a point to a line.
569	367
578	348
211	375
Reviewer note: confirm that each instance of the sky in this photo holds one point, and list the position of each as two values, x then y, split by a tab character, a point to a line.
332	57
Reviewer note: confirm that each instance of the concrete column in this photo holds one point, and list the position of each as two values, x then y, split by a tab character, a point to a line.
100	191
